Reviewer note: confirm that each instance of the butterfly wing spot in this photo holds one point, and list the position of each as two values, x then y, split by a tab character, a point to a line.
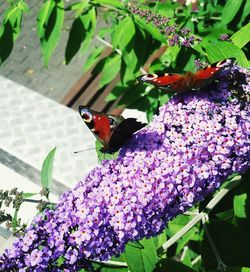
147	77
112	122
86	115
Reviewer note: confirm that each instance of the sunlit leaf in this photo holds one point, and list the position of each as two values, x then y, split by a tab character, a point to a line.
46	173
28	195
242	36
78	7
142	258
111	3
151	29
43	16
110	69
90	26
123	33
224	50
241	203
93	58
230	10
49	25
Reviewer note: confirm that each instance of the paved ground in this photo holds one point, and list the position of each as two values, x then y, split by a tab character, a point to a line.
25	65
31	125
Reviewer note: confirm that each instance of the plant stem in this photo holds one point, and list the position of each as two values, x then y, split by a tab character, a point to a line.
217	198
38	201
116	50
221	266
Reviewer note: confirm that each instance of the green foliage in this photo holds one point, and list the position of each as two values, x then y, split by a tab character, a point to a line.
49	26
134	41
242	36
46	173
11	28
110	69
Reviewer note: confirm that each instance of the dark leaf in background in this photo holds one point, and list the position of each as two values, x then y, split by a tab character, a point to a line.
76	36
6	42
231	243
167	265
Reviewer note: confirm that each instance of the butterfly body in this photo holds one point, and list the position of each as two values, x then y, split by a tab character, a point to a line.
110	130
171	82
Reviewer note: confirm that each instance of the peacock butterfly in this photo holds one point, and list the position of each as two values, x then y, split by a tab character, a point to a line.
110	130
179	83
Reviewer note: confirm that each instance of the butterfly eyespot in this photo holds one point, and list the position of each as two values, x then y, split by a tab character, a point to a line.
112	122
86	115
148	77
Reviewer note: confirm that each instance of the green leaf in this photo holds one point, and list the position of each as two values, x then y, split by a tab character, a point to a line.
117	91
233	269
130	59
232	245
6	41
43	16
127	74
172	266
149	255
187	258
230	10
76	36
46	173
14	16
245	13
104	156
123	33
111	3
241	203
23	6
151	29
223	50
110	69
50	23
28	195
81	34
185	239
14	221
242	36
78	7
92	58
170	55
90	26
132	95
140	259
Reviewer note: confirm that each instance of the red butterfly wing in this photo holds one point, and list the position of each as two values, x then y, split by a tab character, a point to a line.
112	131
98	123
162	81
203	76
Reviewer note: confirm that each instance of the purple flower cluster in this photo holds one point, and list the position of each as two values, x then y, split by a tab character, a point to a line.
175	34
197	140
224	37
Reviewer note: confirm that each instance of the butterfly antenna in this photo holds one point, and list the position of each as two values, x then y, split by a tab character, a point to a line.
76	152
